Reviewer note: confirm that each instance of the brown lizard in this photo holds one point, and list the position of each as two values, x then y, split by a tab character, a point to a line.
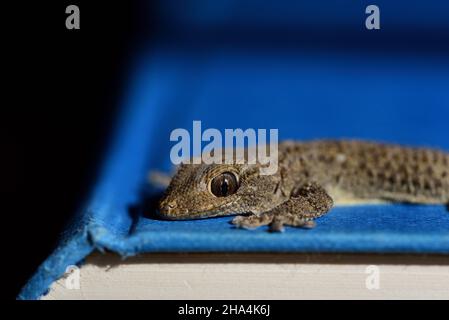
311	178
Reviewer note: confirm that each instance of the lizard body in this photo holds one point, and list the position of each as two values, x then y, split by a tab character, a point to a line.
311	178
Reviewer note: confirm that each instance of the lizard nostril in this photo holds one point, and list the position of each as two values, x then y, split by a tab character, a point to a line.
171	204
168	207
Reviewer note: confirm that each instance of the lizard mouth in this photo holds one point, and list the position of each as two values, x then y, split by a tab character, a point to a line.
171	211
188	215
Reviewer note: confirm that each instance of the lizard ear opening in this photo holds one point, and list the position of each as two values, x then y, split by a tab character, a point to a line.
223	185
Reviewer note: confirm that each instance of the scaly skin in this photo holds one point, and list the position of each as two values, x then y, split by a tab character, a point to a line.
311	177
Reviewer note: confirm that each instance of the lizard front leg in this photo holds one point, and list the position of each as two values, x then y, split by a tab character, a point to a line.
306	202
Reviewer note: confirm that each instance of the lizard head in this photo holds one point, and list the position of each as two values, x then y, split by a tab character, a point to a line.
210	190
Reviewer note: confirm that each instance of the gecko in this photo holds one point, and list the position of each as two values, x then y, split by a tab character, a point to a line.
312	177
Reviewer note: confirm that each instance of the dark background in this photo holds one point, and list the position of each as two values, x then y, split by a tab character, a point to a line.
65	90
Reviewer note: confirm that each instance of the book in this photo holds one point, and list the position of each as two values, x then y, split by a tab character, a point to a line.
259	276
307	91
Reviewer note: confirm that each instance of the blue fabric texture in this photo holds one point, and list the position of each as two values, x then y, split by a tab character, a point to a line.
400	97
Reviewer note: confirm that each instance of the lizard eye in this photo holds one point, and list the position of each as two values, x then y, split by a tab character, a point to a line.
224	185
